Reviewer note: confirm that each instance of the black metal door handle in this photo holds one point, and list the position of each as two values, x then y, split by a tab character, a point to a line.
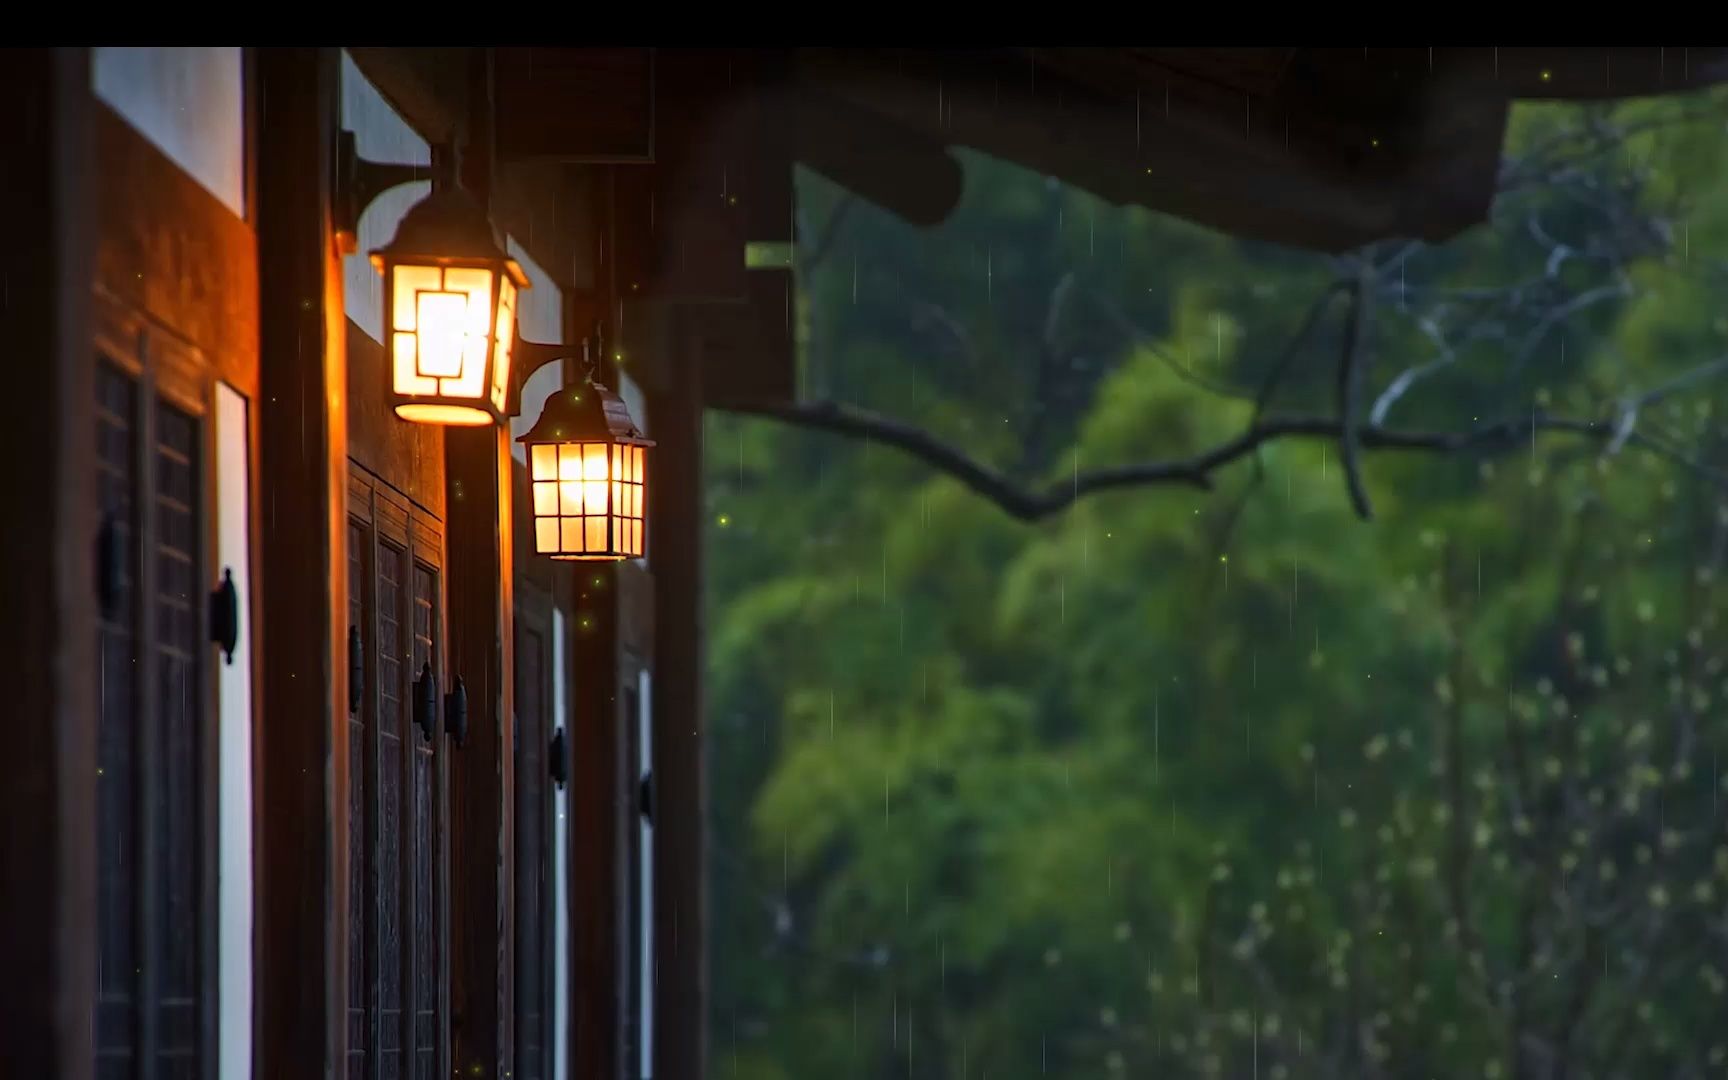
110	566
356	670
558	763
456	712
426	702
225	616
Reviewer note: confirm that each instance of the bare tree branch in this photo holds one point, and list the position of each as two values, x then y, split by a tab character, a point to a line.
1044	374
1275	374
1141	339
1413	374
1195	471
1351	363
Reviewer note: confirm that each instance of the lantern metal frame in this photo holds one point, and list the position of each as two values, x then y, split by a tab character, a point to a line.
445	238
449	236
579	490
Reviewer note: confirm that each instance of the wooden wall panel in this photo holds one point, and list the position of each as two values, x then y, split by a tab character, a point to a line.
172	250
410	455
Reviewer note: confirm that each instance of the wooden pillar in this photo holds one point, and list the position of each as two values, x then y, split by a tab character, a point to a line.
680	912
477	478
477	468
303	440
599	927
47	588
600	793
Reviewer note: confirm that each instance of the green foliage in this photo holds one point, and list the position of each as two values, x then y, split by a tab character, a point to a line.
1189	783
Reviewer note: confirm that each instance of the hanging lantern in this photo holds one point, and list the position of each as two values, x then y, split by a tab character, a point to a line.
450	292
586	477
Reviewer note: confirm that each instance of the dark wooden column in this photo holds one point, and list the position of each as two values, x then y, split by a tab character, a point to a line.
477	497
478	480
599	926
680	913
600	792
47	594
303	437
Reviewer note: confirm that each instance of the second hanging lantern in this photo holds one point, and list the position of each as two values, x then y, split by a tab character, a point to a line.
587	476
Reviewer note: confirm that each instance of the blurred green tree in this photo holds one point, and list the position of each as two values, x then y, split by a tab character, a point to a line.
1212	777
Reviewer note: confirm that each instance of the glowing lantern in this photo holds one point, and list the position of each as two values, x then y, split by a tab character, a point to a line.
450	293
588	486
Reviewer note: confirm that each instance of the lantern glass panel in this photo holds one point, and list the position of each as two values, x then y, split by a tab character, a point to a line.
440	320
545	458
586	466
503	340
447	337
594	461
587	499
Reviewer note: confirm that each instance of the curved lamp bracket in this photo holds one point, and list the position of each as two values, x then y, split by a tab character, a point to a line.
359	181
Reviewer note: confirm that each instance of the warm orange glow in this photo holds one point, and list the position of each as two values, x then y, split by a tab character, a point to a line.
450	339
451	294
588	500
449	415
441	335
503	340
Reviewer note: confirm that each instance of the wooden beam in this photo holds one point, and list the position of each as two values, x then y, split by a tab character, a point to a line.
590	105
532	202
1241	182
899	168
417	84
748	352
303	424
1576	73
48	631
680	791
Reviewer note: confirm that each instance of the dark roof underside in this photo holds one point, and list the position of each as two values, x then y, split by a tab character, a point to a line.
1324	149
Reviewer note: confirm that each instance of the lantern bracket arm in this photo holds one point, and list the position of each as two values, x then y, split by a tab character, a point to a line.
359	181
531	356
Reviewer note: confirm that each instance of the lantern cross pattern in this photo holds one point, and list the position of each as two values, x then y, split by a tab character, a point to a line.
450	298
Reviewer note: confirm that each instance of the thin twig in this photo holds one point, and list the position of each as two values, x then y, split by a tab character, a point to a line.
1276	373
1194	471
1351	363
1143	340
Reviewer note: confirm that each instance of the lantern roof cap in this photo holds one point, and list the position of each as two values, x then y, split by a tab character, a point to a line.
585	412
449	226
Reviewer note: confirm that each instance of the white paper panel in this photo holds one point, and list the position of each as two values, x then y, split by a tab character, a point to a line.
234	753
380	134
190	102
